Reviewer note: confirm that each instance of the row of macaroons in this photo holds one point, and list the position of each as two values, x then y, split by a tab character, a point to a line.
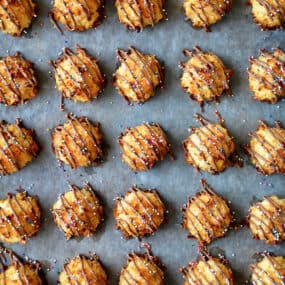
143	268
204	76
79	143
139	213
75	15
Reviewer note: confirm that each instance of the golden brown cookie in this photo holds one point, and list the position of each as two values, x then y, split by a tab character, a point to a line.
78	212
209	148
78	142
140	212
208	270
78	76
20	217
204	78
138	14
269	271
16	272
15	16
138	76
17	147
142	269
18	83
266	148
204	13
77	15
269	14
206	216
266	76
143	146
83	270
266	220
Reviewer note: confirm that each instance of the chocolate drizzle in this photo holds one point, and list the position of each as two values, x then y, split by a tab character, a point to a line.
137	89
139	213
274	9
10	15
269	75
148	70
70	17
77	133
11	146
221	147
268	157
80	214
213	218
206	11
73	82
267	224
273	276
212	271
70	20
91	269
12	88
209	75
8	259
20	218
13	15
149	147
136	13
142	267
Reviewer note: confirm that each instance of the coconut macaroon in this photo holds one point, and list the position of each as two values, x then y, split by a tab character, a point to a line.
14	271
140	212
18	147
266	220
208	270
78	142
83	270
136	15
78	212
138	76
143	146
204	78
209	148
76	15
270	270
142	269
206	216
269	14
78	76
266	76
205	13
18	83
266	148
15	16
20	216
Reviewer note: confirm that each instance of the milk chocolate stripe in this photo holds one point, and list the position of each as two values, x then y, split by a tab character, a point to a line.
123	57
10	14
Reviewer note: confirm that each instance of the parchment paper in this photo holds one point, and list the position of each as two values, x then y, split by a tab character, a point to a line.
234	39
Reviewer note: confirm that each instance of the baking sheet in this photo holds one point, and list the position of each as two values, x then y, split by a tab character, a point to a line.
234	39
